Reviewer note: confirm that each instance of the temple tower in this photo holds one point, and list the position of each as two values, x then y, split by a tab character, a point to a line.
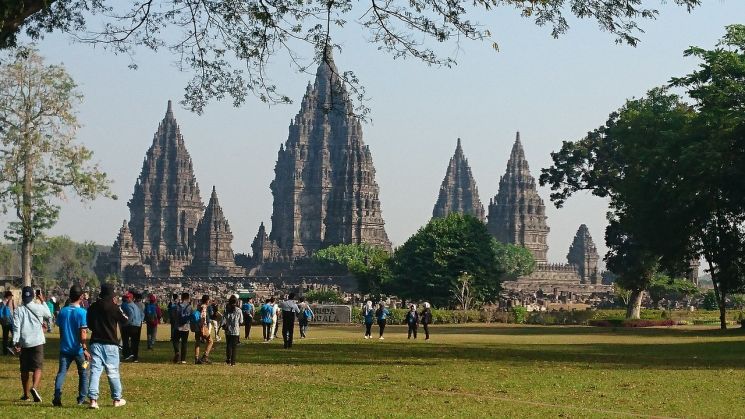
213	254
458	192
584	255
324	188
166	206
517	214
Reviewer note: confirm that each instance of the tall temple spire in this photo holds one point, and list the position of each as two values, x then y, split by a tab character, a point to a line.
169	111
213	254
584	255
324	187
458	192
517	214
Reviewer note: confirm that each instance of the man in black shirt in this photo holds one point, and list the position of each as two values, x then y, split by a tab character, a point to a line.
104	317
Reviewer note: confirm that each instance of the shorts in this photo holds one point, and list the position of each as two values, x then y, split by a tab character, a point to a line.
32	358
200	338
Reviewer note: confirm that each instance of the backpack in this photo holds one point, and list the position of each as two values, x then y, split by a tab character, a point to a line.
307	313
151	314
194	320
5	318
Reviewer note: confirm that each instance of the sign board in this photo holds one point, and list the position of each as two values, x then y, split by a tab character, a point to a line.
326	313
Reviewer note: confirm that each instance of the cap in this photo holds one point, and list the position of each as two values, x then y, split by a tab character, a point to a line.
27	295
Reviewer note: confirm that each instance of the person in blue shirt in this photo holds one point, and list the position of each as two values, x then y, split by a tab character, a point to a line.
267	313
248	315
73	330
382	314
131	339
412	320
7	307
368	314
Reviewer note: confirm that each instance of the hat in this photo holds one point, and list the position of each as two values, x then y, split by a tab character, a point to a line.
152	298
27	295
106	291
54	299
129	296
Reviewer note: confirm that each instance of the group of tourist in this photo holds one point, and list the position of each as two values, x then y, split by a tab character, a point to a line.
24	326
413	319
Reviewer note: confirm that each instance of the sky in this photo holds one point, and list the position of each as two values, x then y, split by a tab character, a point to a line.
551	90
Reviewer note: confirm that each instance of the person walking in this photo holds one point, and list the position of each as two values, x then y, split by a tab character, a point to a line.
275	318
28	340
7	308
412	320
50	322
73	331
267	313
202	332
85	301
426	319
131	344
174	316
183	323
382	314
248	315
153	316
231	322
306	314
289	311
215	320
103	317
368	314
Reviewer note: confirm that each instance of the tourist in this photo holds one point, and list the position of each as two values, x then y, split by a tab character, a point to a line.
103	318
85	301
202	332
289	310
382	314
275	318
412	320
131	340
231	322
153	316
215	319
50	306
73	331
174	314
183	326
248	315
28	339
306	314
368	313
7	308
267	313
426	319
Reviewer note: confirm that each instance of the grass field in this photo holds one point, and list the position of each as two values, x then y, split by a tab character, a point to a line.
474	370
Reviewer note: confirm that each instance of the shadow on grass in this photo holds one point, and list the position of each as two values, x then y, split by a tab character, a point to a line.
584	330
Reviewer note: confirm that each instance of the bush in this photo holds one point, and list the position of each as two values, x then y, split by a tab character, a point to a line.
631	323
520	314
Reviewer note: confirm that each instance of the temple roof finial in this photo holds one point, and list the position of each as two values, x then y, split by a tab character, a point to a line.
169	110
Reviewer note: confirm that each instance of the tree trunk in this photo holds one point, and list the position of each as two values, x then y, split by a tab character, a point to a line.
27	248
722	309
633	310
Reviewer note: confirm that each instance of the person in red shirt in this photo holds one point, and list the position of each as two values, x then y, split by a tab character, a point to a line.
153	316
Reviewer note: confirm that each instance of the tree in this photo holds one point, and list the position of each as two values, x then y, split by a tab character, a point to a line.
369	264
670	288
228	45
323	296
428	266
632	160
462	291
515	260
39	161
712	177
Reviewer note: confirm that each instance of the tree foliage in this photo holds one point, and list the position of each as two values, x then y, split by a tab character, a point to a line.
631	160
428	266
369	264
670	288
514	260
323	296
228	45
39	161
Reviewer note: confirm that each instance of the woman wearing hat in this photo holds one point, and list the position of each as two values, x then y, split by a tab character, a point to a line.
28	339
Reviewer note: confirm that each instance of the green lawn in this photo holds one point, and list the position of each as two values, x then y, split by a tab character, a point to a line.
474	370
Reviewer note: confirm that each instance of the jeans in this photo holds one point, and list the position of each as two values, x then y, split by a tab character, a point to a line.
249	320
412	329
6	338
426	330
105	356
303	323
288	327
182	337
231	345
64	364
267	329
381	325
368	329
152	334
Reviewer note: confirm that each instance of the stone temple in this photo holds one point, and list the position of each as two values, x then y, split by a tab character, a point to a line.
169	233
324	188
517	215
458	192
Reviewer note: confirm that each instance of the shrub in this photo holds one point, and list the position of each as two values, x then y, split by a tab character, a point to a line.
520	314
631	323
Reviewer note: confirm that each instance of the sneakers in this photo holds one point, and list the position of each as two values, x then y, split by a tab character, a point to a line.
197	361
129	358
381	338
35	394
205	360
176	358
57	402
119	403
25	398
94	404
183	362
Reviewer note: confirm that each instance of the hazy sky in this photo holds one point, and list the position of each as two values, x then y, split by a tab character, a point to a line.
550	90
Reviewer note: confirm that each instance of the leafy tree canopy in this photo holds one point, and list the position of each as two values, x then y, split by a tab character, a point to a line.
369	264
227	45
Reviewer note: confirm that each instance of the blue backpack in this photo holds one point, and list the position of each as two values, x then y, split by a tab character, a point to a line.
150	313
194	320
5	317
308	313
